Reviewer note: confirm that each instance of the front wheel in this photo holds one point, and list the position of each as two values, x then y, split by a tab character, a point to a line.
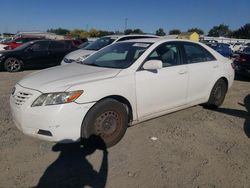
108	119
217	94
13	64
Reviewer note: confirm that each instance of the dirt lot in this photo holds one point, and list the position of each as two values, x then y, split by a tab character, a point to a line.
195	147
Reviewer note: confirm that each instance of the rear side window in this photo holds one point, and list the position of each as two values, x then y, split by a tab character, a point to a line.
54	45
197	54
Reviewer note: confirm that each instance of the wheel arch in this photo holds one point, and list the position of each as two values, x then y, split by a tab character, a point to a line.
120	99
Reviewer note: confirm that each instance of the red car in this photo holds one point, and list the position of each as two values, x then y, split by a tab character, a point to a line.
19	41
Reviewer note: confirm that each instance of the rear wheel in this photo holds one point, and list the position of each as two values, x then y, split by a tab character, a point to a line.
108	119
218	94
13	64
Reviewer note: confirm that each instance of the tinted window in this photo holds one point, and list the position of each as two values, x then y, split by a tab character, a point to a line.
135	37
169	54
40	46
246	49
196	53
99	43
54	45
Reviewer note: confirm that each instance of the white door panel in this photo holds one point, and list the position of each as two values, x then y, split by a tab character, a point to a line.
200	76
161	90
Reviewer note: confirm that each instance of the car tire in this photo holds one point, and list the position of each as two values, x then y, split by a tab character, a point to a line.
13	64
108	119
217	94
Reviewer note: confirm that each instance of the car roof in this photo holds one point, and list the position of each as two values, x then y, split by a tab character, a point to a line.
154	40
131	35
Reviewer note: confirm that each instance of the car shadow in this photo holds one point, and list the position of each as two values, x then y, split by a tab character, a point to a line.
72	169
240	113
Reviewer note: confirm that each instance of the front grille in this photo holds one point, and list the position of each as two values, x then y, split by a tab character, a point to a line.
21	97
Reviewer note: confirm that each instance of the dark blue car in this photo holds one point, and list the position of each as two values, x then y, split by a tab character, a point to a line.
222	48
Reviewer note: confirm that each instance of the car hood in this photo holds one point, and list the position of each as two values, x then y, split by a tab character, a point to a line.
79	53
61	78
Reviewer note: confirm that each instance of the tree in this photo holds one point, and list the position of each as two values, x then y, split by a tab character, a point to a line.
243	32
94	33
174	32
220	31
59	31
79	33
160	32
197	30
135	31
138	31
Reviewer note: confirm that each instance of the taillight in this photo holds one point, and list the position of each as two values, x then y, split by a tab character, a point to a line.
242	59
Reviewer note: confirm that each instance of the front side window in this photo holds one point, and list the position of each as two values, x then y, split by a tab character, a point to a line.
100	43
169	54
118	55
40	46
196	54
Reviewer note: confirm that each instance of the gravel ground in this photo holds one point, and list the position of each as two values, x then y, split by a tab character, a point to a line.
195	147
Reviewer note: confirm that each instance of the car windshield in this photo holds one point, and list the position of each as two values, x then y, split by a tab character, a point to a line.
100	43
118	55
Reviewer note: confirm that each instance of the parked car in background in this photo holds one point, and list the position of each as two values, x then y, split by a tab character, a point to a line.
237	46
99	44
242	63
34	54
19	41
2	47
86	43
222	48
244	46
123	84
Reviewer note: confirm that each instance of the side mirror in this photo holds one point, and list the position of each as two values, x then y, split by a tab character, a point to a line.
152	65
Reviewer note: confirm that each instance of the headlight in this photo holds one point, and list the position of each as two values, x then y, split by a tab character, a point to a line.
1	55
56	98
66	60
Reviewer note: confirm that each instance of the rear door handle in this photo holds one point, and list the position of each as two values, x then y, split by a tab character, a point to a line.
216	66
182	71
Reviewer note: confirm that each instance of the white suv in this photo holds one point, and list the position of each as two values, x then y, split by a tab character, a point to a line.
100	43
122	84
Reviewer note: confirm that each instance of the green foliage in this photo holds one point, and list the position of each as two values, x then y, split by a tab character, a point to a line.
135	31
243	32
160	32
59	31
174	32
197	30
220	31
79	33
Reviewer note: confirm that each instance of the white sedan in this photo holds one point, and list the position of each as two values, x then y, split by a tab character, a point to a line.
120	85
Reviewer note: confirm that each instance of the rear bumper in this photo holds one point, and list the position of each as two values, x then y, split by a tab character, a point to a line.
242	70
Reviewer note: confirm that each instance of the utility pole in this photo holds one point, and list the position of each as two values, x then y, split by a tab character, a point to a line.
126	24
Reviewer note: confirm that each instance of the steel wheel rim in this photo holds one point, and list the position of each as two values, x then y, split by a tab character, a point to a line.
108	124
218	94
13	64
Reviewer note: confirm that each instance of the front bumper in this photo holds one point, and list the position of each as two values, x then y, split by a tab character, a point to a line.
63	122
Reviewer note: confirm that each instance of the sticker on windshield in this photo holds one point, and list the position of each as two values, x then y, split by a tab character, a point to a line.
142	45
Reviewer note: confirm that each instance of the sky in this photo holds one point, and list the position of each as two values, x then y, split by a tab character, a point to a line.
148	15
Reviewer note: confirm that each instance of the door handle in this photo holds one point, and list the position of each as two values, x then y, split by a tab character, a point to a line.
182	72
216	66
